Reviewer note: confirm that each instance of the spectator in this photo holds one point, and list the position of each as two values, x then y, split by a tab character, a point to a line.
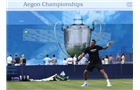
65	62
75	59
53	60
46	60
111	59
122	59
23	60
106	59
70	60
17	60
9	60
118	59
103	62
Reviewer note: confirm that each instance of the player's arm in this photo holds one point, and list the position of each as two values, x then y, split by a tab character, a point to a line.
105	47
81	56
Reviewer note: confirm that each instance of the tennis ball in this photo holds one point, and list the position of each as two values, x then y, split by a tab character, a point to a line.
26	31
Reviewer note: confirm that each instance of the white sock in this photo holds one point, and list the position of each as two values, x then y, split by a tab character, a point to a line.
86	81
107	81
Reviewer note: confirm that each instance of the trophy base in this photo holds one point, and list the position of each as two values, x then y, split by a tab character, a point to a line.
73	51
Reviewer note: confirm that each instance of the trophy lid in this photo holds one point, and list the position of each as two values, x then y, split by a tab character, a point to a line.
78	19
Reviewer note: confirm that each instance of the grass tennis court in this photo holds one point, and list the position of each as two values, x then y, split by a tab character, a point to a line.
97	84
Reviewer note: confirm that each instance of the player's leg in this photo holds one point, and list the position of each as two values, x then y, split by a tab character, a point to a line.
89	68
85	78
101	69
106	77
86	74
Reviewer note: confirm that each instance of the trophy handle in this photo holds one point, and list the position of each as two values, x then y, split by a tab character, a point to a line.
100	28
56	36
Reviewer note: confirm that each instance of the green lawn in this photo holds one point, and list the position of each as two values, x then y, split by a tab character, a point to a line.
97	84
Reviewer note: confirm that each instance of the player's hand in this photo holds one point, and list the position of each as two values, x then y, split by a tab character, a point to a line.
111	42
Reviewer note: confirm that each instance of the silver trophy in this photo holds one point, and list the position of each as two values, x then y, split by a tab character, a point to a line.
77	36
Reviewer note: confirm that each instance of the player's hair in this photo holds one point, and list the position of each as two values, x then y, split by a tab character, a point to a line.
94	40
